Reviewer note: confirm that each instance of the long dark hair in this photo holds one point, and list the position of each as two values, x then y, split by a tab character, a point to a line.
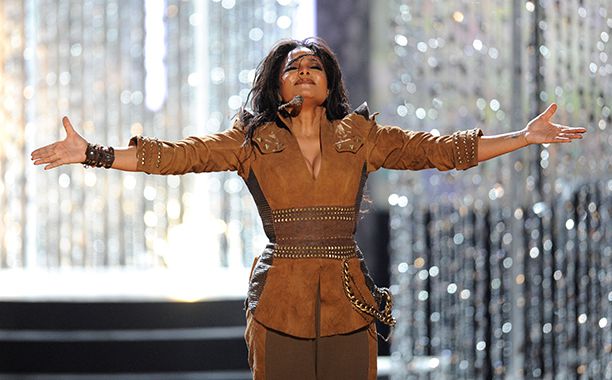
264	97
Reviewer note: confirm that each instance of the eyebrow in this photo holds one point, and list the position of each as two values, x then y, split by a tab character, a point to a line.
311	56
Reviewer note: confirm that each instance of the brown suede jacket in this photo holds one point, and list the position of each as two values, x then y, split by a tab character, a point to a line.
298	285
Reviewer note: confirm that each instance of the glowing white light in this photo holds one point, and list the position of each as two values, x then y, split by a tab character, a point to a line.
75	50
304	25
194	19
494	104
174	181
136	97
234	102
64	78
506	327
401	40
420	113
402	201
150	193
155	52
150	219
402	110
217	75
233	185
493	53
228	4
481	103
256	34
283	22
393	198
129	182
64	180
90	179
193	79
174	209
433	363
423	274
269	16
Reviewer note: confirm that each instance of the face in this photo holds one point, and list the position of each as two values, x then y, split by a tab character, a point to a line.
302	73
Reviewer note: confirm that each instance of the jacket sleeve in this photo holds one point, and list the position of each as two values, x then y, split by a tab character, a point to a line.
216	152
395	148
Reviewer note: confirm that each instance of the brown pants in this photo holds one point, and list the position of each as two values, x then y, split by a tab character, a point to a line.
273	355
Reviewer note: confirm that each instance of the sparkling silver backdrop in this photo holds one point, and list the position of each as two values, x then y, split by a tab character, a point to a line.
167	69
502	271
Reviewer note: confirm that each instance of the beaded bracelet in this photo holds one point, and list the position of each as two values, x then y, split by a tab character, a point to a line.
99	156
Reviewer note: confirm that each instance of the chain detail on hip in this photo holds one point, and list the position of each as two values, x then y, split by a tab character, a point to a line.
384	316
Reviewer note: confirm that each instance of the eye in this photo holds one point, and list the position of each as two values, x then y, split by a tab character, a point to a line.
316	67
287	69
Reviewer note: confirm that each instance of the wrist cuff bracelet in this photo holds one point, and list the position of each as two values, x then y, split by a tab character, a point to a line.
99	156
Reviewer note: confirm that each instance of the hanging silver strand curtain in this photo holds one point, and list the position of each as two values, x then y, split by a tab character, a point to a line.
166	69
507	273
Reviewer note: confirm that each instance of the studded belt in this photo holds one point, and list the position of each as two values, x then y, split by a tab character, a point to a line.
336	252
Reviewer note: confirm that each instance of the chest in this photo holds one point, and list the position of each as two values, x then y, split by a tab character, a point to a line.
310	148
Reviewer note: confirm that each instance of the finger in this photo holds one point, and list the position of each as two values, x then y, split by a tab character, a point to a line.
45	160
46	156
41	161
576	129
573	136
54	164
52	156
559	140
43	150
550	111
566	128
67	125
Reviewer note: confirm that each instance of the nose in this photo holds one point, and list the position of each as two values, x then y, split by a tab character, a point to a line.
304	70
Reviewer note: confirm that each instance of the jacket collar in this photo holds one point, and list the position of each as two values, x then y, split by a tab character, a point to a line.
272	137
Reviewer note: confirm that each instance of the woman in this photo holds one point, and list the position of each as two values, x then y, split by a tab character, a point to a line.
305	157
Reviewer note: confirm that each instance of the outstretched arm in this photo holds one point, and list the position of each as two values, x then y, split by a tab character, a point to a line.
72	149
538	131
215	152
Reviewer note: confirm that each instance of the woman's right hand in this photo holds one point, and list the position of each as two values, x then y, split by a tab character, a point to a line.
71	150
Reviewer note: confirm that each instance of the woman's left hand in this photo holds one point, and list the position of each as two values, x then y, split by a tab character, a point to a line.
542	131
